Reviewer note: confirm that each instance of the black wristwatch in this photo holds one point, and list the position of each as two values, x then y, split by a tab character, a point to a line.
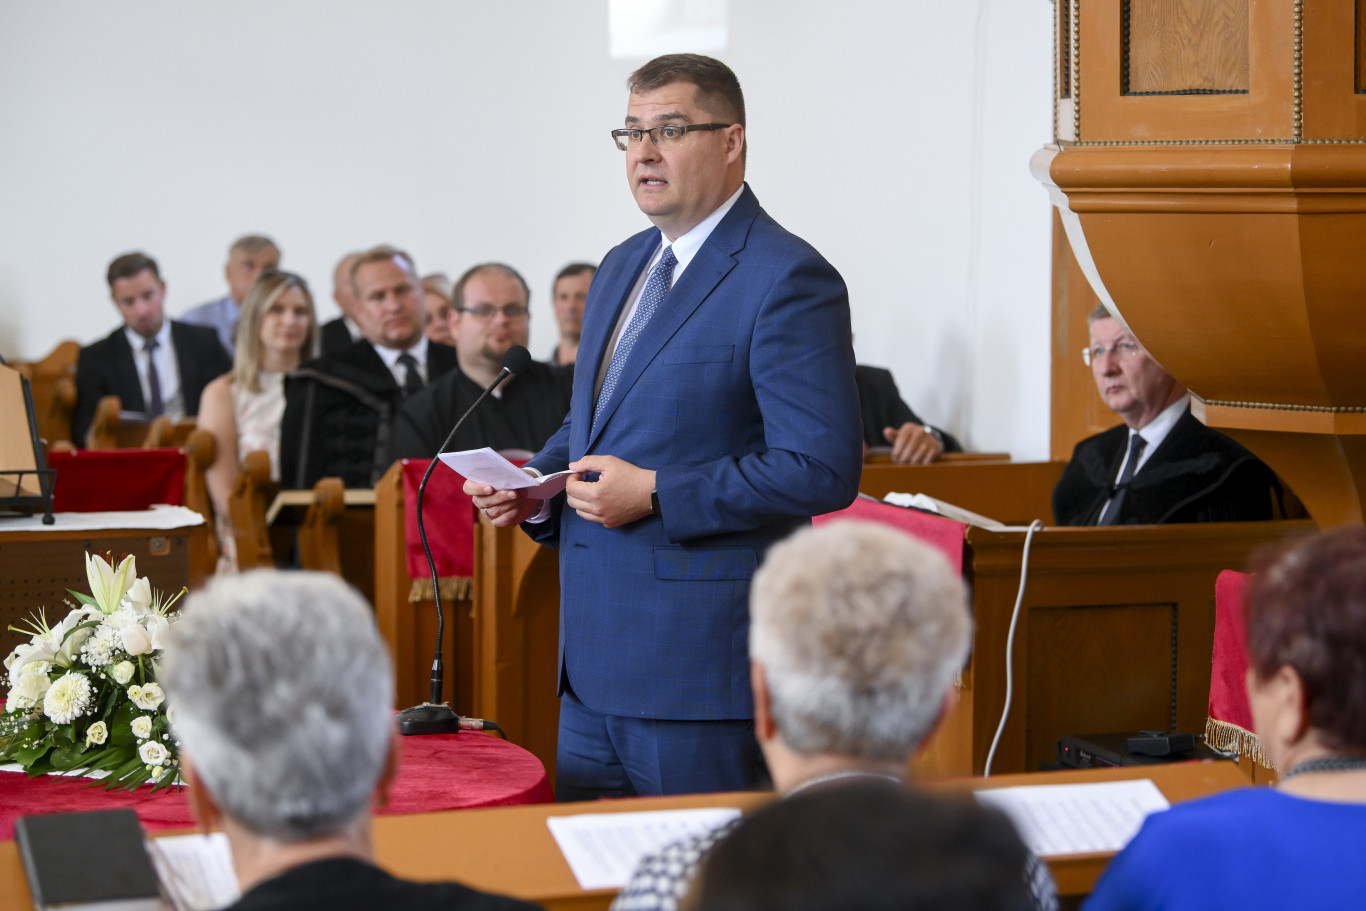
654	503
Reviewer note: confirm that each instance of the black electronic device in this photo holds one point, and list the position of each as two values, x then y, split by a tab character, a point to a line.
1089	751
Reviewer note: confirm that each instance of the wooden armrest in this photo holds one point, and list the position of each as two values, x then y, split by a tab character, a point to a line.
250	495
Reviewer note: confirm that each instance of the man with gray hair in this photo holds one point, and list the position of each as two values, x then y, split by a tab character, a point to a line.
857	632
248	257
282	697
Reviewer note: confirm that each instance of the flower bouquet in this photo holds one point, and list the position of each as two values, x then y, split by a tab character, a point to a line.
83	695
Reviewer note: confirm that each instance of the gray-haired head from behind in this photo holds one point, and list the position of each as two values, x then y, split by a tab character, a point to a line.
282	695
860	630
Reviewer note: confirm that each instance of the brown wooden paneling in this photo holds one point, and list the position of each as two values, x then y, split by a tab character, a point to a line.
1120	650
1179	47
1077	410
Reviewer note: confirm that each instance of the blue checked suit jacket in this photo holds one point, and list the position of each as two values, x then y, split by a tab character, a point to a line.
740	394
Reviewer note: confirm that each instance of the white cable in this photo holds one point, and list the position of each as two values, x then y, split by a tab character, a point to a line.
1010	644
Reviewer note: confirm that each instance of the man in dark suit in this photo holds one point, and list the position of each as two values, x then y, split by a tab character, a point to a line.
888	420
154	365
339	408
714	412
1161	465
488	315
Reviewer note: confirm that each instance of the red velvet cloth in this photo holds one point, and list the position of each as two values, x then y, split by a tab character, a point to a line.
1228	676
937	531
117	480
439	772
449	517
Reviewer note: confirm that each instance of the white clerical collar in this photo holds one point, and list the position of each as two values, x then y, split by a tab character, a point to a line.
137	341
390	356
687	245
1156	430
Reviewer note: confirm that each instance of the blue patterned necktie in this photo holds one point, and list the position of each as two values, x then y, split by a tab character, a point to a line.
656	287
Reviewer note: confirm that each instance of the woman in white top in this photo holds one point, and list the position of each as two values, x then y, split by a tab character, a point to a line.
276	330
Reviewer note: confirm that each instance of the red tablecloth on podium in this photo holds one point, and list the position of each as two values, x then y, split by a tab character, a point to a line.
439	772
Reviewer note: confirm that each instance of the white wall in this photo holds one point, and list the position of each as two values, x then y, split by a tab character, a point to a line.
895	137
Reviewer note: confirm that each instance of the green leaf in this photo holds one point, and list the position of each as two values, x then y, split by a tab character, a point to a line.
27	756
68	758
84	599
89	624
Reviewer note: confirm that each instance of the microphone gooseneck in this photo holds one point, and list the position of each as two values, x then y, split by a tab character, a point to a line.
433	716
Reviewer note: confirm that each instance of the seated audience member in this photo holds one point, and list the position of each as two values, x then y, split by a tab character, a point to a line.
568	295
248	257
1162	465
277	331
856	634
487	317
339	333
154	365
282	698
436	295
1297	845
868	845
887	419
339	408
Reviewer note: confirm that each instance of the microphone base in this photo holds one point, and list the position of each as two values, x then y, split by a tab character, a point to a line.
428	718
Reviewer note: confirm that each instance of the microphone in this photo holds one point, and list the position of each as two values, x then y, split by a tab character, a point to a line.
435	716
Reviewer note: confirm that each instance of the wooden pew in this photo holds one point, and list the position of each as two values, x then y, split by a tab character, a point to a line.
1115	634
251	496
337	534
199	449
410	627
53	379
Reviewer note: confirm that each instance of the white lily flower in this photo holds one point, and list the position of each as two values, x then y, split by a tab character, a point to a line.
108	585
139	595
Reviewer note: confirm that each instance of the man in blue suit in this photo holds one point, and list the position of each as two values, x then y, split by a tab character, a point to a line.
714	411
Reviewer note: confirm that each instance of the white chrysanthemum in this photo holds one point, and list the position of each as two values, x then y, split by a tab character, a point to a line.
153	753
122	672
146	697
142	727
97	733
69	698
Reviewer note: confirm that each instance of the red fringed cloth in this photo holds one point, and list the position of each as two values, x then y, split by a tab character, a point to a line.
117	480
1229	725
438	772
943	534
449	516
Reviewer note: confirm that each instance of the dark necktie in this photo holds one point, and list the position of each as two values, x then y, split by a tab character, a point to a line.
412	379
154	407
656	287
1110	514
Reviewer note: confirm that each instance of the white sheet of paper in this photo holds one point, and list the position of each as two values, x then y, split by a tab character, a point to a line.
485	466
1057	819
195	871
603	849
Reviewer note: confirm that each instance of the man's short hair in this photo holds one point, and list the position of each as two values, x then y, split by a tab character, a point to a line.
253	243
860	630
282	696
130	264
458	291
1099	313
718	90
379	254
572	270
866	844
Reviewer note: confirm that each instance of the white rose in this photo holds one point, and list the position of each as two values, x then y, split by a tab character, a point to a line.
97	733
122	672
153	753
146	697
135	640
142	727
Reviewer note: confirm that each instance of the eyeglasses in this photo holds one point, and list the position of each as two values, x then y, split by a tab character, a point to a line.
668	135
1122	350
486	311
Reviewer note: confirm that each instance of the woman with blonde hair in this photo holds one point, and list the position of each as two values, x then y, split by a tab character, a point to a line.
276	331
